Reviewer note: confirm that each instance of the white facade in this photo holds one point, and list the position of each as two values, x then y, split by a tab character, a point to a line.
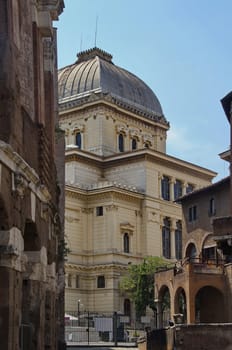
115	206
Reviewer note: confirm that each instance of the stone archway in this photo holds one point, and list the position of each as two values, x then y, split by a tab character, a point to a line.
191	251
209	306
165	306
180	305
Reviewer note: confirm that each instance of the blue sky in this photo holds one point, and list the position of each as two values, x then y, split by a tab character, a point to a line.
180	48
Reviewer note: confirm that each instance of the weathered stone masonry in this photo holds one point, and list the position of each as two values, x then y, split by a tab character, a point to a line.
31	181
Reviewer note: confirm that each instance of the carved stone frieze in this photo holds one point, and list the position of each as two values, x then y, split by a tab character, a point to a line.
111	207
87	210
48	53
126	227
147	138
54	7
135	133
71	219
20	184
121	129
77	128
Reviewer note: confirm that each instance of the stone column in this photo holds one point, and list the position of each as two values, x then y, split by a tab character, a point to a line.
159	319
171	188
160	177
185	184
190	296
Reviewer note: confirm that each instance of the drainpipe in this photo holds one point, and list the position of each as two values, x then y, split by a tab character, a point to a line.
231	158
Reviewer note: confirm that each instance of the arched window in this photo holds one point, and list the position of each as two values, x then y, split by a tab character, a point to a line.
191	251
126	243
121	143
101	282
134	144
78	139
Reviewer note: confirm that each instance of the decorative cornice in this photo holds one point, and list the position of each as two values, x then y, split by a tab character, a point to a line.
94	268
74	101
126	227
112	207
24	176
55	7
103	193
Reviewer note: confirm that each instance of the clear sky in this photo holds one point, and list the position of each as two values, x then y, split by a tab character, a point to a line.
181	48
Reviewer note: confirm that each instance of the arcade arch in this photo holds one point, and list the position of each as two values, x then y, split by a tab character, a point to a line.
209	305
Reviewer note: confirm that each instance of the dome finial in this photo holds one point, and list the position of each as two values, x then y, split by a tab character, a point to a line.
91	53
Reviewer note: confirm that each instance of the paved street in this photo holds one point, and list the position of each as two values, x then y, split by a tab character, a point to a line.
75	347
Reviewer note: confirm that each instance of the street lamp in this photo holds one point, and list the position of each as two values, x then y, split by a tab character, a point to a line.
78	311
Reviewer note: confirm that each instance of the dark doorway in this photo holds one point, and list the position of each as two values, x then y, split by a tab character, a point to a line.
209	306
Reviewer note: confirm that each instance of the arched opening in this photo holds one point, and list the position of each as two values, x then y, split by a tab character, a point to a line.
78	139
209	250
134	144
165	306
127	307
180	304
121	143
31	237
126	243
191	251
209	306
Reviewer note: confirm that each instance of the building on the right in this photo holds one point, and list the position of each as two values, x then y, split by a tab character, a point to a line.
198	289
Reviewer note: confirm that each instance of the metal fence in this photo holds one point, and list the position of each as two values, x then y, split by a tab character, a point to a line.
102	329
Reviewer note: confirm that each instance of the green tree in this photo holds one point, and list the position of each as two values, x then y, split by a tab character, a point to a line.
139	283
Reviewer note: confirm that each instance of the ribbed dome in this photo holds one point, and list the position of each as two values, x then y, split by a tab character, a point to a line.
94	72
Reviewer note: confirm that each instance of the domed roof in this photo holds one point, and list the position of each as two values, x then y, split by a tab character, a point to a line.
94	72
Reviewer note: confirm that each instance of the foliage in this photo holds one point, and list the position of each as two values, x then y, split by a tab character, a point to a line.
139	283
63	249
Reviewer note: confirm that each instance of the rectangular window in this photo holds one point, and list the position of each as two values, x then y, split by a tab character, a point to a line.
177	189
99	211
209	253
121	143
193	213
78	139
77	282
101	282
212	210
165	188
166	239
178	240
69	280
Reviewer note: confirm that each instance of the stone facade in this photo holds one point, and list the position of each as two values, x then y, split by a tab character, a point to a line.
199	287
31	233
116	199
